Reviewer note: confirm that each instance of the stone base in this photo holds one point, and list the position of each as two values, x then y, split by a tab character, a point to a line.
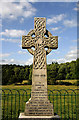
23	117
39	107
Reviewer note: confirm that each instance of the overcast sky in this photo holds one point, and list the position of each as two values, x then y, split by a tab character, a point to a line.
18	19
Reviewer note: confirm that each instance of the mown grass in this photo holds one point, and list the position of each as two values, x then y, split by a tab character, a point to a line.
70	81
63	98
51	87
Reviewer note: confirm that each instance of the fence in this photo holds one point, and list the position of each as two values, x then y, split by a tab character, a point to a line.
65	103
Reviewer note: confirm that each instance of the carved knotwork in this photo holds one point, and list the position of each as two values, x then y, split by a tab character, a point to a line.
39	42
39	54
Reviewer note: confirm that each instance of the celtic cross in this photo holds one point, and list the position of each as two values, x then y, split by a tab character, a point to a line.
39	96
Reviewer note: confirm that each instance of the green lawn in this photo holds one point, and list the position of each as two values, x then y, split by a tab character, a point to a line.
51	87
65	103
70	81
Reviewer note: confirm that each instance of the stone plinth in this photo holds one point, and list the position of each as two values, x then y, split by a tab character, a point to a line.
23	117
39	105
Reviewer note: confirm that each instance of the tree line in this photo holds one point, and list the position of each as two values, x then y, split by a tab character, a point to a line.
17	73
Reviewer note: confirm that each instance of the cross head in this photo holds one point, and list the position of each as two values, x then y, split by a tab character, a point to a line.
42	39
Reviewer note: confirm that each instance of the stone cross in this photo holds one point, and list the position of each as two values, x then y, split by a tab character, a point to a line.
39	38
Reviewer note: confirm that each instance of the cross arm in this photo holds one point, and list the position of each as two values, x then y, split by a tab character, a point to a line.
51	42
27	42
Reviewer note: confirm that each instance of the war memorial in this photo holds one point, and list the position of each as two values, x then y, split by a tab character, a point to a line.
38	106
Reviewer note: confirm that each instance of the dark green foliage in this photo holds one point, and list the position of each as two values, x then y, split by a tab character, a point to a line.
77	68
16	73
64	83
62	72
30	75
0	74
77	83
52	72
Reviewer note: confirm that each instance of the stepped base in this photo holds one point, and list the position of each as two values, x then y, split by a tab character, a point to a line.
39	108
23	117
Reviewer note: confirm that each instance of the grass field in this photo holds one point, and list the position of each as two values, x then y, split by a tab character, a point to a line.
70	81
51	87
64	104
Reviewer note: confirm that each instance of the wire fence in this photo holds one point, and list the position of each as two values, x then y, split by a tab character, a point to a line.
65	103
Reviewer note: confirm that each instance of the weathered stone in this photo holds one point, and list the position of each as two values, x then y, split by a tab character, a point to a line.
23	117
39	105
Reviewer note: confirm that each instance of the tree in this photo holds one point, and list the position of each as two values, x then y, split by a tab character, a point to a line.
30	77
77	68
17	73
73	70
52	71
68	69
62	72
